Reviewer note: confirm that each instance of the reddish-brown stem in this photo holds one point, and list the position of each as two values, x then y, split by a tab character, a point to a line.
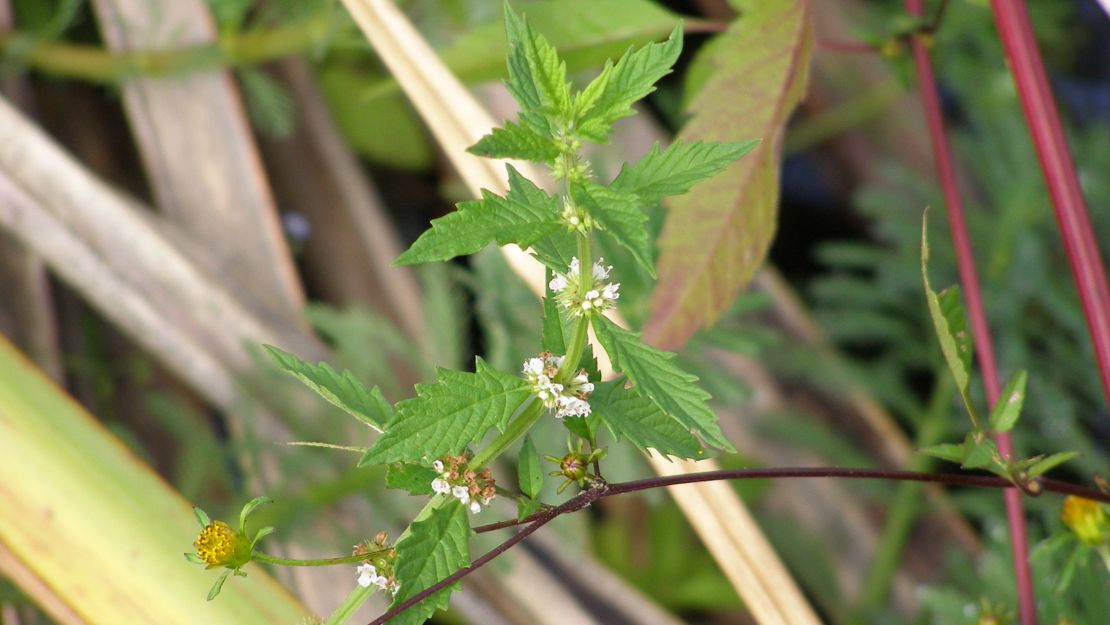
1012	21
601	491
539	519
946	479
980	330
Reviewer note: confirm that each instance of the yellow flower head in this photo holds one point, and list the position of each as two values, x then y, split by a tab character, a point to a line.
219	545
1086	519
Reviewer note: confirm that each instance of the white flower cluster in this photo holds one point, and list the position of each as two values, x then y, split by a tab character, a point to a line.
599	295
368	576
442	485
568	400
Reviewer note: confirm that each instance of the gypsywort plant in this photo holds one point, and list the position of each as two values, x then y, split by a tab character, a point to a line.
438	443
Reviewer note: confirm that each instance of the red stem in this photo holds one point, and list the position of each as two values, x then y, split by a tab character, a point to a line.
980	330
1012	21
603	490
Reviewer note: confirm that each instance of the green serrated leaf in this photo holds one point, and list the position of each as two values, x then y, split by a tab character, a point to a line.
620	216
525	215
435	547
528	470
945	451
663	173
516	141
655	375
414	478
979	455
342	390
637	418
446	417
1008	407
1049	463
556	251
951	329
537	77
610	96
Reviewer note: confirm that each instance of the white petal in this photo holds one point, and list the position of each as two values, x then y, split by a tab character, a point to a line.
461	493
532	366
475	507
438	466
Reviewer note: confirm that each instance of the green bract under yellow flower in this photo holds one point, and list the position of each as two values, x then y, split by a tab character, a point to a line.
1086	519
219	545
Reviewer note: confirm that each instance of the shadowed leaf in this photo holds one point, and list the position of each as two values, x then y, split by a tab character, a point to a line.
716	236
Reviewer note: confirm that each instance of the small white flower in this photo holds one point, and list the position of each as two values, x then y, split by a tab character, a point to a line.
580	385
572	407
394	586
598	296
532	367
438	466
461	493
367	575
610	292
475	507
440	486
600	271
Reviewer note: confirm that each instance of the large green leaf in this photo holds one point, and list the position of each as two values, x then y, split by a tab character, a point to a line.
630	415
341	389
446	417
716	236
620	216
516	141
537	77
585	32
434	547
610	96
97	532
525	215
654	374
674	170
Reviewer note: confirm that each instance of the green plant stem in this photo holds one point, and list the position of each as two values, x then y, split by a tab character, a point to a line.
907	501
350	605
517	427
351	559
96	64
580	335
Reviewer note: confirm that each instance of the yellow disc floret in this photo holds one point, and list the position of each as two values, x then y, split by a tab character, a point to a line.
217	544
1086	519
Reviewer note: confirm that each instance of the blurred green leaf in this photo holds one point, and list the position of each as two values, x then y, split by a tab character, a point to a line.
1008	408
529	470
